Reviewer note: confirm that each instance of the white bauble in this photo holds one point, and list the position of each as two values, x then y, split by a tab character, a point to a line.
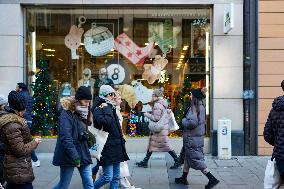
98	41
116	73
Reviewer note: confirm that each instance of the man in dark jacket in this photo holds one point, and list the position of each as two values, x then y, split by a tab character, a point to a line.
274	131
72	143
22	89
18	144
114	152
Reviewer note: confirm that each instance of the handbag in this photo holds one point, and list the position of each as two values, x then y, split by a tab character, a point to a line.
172	123
159	125
272	179
101	138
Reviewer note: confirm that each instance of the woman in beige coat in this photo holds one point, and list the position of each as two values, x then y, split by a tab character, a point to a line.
159	141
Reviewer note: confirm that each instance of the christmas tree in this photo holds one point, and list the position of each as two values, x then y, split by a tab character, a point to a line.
183	99
43	121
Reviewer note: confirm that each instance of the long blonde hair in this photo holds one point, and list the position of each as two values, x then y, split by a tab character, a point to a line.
68	103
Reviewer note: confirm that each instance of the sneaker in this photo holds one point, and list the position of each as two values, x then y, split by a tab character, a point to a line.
36	163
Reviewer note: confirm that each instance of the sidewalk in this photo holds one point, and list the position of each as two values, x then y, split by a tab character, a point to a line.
239	173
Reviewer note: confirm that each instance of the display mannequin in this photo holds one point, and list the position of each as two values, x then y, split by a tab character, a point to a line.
66	90
87	80
102	80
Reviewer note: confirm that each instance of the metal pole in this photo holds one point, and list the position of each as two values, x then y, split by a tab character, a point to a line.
246	76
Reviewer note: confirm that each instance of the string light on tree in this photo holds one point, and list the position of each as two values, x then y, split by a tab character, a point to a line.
42	108
132	125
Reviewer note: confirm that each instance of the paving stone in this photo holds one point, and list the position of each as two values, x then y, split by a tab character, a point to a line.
227	163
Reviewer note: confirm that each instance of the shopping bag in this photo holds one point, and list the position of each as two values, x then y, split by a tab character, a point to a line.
159	125
272	179
101	138
124	171
172	123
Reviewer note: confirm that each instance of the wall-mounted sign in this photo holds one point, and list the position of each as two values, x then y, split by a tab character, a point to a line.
199	22
228	18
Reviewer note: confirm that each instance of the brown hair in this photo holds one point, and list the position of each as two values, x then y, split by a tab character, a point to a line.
195	105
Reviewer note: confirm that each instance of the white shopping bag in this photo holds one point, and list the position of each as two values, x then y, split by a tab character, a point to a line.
272	179
124	171
101	138
172	123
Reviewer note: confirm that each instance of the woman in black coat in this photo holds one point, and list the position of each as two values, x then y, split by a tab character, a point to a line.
193	139
114	152
72	144
274	131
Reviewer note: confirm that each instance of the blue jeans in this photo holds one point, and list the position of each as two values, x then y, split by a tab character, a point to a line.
66	174
111	175
34	156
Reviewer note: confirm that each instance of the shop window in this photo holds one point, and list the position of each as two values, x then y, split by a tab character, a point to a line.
141	48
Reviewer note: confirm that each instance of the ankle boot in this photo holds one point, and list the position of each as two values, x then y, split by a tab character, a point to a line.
176	159
212	181
182	179
144	162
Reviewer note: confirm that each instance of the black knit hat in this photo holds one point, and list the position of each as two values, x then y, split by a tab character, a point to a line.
83	93
22	86
198	93
282	85
16	101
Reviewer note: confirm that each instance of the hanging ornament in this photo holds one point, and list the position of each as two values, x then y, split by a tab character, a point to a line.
152	72
167	39
131	51
118	71
73	39
98	40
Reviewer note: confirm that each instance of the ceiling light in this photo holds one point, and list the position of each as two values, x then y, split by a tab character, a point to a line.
49	50
146	43
50	55
185	48
181	56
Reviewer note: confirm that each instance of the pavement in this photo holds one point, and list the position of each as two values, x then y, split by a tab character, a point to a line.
238	173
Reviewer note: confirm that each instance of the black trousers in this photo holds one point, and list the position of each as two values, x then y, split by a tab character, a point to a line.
1	169
19	186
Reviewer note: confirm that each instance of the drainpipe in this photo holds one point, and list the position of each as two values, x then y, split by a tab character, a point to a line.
246	76
249	66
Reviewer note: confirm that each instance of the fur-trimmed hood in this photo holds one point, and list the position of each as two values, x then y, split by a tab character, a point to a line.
8	117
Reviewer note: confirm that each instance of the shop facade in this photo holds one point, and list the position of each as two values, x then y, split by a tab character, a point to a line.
56	47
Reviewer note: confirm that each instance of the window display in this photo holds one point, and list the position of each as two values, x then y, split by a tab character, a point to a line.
133	50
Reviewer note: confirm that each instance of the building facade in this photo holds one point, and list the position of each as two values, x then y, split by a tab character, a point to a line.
270	61
189	36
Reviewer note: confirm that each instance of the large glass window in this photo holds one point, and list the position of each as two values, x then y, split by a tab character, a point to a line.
134	50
